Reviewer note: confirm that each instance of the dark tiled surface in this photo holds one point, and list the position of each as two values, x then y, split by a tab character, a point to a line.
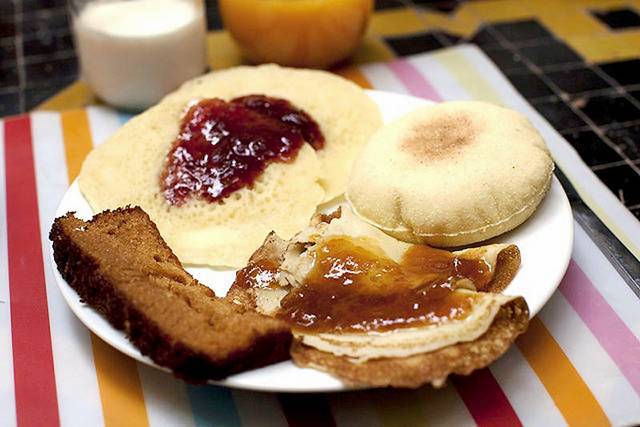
593	150
609	108
446	6
387	4
484	37
577	80
409	45
9	101
550	53
623	181
506	59
624	72
529	85
619	18
51	70
627	138
520	31
559	114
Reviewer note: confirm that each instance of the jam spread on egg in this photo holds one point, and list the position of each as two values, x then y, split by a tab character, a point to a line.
225	146
351	288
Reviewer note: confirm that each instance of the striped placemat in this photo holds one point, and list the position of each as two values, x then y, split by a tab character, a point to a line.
579	363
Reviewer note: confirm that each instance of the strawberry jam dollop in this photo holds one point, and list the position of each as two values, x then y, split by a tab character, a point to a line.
225	146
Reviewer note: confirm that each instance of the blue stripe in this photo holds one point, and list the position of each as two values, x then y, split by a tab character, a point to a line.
213	406
124	117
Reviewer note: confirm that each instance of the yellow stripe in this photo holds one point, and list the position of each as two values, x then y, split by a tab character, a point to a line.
565	386
120	389
462	70
77	140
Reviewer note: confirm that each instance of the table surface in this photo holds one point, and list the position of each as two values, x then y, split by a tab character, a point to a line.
576	63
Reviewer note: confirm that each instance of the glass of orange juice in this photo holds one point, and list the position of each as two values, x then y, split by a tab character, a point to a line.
299	33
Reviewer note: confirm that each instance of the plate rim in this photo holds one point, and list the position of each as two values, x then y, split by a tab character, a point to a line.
73	301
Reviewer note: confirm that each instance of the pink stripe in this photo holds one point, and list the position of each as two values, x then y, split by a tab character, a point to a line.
610	331
413	80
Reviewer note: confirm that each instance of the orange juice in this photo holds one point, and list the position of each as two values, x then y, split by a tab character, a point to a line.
301	33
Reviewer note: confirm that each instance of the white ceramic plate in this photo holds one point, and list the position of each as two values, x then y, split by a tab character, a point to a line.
545	242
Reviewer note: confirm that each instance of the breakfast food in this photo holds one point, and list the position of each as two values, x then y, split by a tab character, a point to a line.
121	267
451	174
377	311
144	162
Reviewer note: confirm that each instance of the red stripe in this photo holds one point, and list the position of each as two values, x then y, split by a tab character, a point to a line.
485	400
35	386
306	410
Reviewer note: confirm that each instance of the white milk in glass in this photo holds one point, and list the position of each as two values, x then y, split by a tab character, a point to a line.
133	52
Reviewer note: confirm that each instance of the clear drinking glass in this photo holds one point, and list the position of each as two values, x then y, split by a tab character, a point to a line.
133	52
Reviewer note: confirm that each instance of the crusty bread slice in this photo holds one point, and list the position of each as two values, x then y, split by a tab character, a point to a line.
433	367
120	266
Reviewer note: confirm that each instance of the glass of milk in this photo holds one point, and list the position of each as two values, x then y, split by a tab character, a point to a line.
133	52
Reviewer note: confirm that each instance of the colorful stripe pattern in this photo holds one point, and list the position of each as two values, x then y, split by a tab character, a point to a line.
578	364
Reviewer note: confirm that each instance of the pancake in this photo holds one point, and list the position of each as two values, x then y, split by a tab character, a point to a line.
365	335
451	174
347	116
126	170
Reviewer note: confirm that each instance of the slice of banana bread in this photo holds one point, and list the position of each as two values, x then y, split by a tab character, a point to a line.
120	265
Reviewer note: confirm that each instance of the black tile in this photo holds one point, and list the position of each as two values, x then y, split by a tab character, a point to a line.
48	71
577	80
446	6
624	72
550	53
7	27
636	212
592	149
635	94
529	85
46	43
9	103
623	182
45	20
35	95
417	43
609	108
619	18
7	51
484	37
558	114
28	5
387	4
214	19
451	39
6	8
519	31
627	139
9	75
505	59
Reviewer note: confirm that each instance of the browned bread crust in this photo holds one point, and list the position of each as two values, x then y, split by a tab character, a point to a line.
434	367
120	265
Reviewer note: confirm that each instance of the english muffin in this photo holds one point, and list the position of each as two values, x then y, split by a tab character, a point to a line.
451	174
129	167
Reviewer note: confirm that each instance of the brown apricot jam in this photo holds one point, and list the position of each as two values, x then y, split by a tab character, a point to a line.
353	289
225	146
